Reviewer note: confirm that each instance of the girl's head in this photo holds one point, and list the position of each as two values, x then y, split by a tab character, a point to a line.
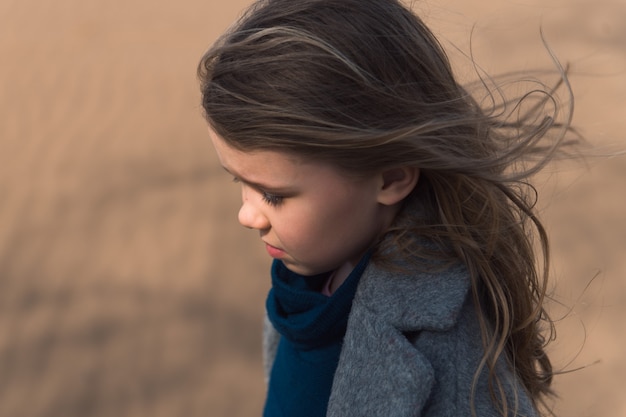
363	86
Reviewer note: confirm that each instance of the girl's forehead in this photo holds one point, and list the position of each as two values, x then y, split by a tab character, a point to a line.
227	151
278	160
279	168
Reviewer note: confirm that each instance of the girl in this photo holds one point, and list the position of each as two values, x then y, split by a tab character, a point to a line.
404	281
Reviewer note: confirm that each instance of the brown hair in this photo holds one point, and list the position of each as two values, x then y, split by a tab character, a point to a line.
364	85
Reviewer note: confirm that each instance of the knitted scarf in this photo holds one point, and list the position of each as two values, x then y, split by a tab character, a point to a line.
312	327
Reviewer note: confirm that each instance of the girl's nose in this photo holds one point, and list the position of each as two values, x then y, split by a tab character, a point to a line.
251	217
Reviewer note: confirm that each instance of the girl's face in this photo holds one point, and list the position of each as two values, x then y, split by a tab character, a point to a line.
308	214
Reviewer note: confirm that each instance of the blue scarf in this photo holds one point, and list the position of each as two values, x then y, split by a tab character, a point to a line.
312	327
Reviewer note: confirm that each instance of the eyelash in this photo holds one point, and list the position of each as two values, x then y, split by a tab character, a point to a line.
270	199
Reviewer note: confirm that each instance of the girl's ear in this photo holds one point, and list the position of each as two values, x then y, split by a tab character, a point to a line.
397	183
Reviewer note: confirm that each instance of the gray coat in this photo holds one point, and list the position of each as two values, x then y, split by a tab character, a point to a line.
411	349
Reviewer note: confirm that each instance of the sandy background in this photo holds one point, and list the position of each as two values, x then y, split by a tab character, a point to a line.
127	287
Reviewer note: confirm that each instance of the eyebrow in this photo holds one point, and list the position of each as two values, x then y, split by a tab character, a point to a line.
257	185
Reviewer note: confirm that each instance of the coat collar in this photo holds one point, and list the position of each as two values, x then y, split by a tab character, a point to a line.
414	301
380	373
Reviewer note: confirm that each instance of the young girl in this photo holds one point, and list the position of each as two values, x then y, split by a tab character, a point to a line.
404	281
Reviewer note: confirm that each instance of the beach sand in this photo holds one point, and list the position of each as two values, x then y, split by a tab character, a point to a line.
127	288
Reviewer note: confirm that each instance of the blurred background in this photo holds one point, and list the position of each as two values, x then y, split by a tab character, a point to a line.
127	288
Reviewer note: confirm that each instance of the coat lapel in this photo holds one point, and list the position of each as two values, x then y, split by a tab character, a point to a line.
380	373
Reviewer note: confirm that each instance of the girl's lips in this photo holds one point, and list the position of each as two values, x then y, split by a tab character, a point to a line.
274	252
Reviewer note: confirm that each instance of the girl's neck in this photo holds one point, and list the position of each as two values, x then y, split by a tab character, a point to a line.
338	276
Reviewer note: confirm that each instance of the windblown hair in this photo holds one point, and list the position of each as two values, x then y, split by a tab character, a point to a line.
364	85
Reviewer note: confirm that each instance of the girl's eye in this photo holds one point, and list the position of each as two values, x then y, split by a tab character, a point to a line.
271	199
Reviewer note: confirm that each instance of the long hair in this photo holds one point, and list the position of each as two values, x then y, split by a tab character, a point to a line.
364	85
